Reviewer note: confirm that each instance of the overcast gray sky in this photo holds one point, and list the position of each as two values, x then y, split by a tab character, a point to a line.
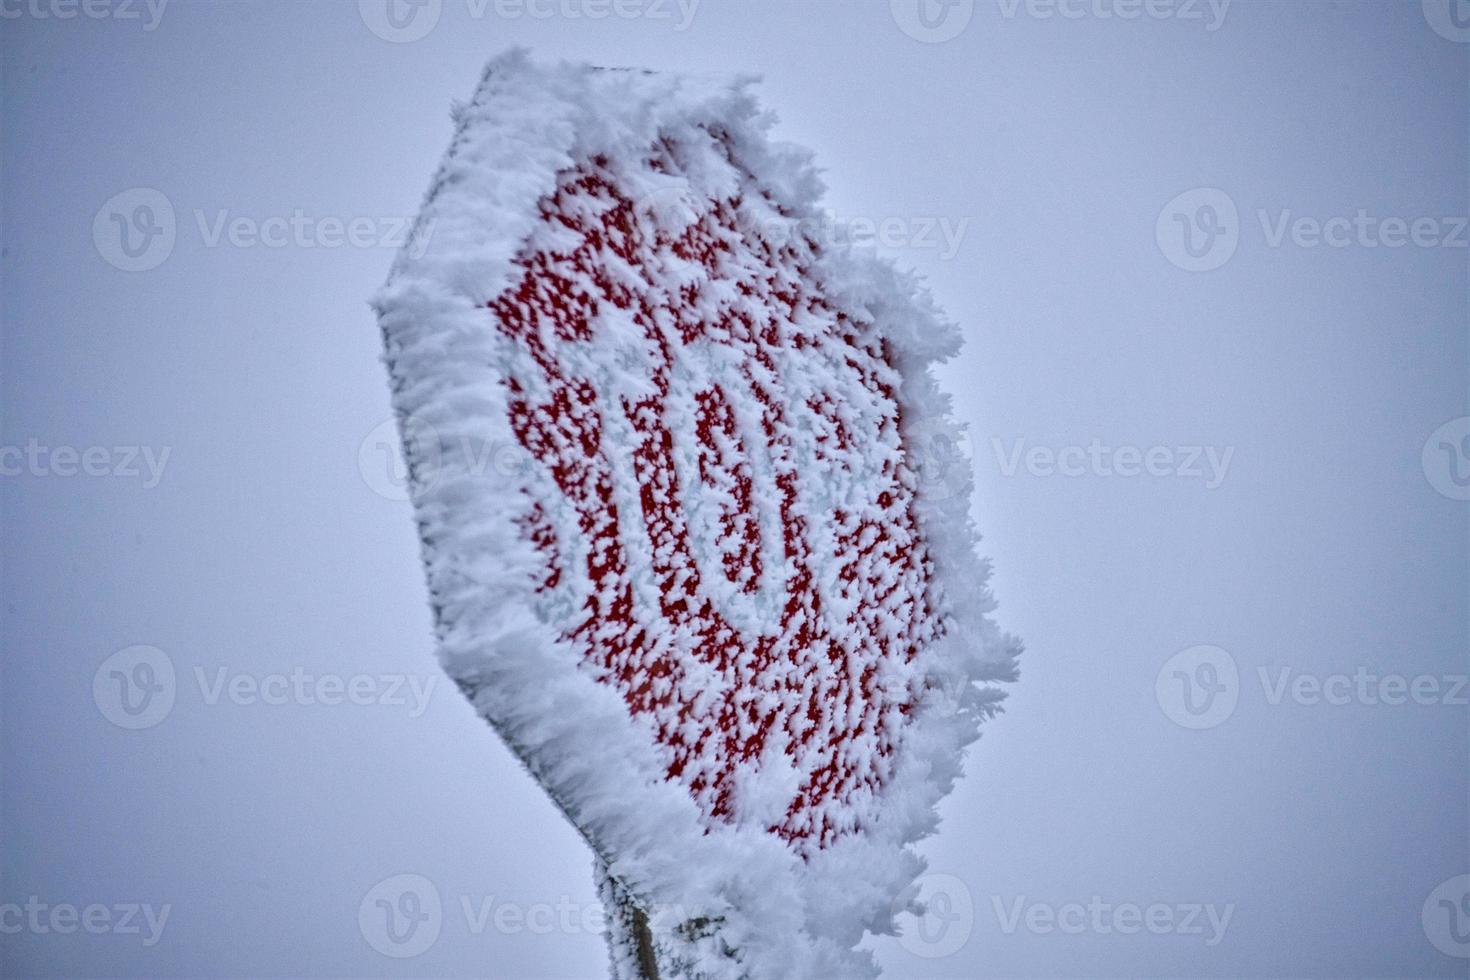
1220	247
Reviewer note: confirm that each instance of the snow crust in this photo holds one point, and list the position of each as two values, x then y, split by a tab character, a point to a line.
739	881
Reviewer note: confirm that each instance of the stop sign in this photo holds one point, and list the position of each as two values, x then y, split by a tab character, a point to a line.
694	518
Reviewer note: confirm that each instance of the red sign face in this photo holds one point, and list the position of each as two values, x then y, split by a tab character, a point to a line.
731	542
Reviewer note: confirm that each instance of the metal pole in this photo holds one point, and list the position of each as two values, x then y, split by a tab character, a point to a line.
629	939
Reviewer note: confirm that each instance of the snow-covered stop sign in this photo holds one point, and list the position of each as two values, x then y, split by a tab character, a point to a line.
717	586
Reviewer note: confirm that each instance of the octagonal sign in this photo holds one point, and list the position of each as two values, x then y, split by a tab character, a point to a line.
714	602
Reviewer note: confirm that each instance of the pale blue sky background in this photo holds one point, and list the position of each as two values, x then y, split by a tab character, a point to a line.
262	549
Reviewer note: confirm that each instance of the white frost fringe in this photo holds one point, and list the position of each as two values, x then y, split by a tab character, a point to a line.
757	910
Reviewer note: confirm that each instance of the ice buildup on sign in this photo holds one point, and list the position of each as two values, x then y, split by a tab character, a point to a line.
695	525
